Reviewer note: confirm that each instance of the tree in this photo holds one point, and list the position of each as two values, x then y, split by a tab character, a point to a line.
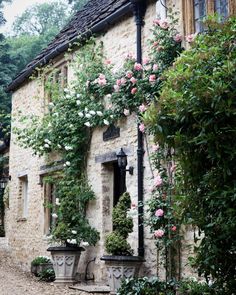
2	19
41	18
77	4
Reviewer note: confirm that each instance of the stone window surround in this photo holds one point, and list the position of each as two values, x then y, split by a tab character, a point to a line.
188	13
23	196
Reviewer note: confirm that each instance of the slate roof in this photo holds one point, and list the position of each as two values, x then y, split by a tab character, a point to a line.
93	17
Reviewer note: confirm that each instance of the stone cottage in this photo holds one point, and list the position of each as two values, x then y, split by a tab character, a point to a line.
27	220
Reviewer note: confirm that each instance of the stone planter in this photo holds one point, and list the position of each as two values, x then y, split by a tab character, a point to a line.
36	269
65	263
121	267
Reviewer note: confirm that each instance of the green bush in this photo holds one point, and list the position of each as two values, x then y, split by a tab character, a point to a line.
196	115
40	260
47	275
116	242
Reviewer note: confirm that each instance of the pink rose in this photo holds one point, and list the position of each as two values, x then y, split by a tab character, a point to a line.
159	233
102	82
133	80
129	74
123	81
155	147
116	88
159	213
118	82
107	62
134	90
178	38
174	228
156	22
126	112
159	48
190	38
152	78
155	43
142	127
164	24
158	180
130	55
102	77
155	67
145	61
138	67
142	108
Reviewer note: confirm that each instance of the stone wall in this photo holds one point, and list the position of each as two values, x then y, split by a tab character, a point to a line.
26	235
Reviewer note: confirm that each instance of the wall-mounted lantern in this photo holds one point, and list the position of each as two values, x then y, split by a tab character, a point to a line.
122	163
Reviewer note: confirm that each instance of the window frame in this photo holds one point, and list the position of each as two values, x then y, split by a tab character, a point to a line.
188	13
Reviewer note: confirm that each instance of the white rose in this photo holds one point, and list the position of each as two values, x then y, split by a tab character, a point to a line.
84	244
46	145
92	112
57	202
80	114
88	116
106	122
87	124
99	113
74	232
68	148
78	102
54	215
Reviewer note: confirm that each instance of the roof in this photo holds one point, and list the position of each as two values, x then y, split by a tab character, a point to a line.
94	17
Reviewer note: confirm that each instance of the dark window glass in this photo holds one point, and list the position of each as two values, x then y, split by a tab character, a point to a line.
221	7
199	14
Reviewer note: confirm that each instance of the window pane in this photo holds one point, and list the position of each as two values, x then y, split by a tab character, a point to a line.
221	7
199	14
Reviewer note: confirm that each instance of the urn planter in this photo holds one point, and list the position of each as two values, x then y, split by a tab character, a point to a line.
120	268
65	263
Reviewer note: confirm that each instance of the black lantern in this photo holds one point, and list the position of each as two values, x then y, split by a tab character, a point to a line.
122	163
122	159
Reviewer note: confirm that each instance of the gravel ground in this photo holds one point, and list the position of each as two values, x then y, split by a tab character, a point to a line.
15	282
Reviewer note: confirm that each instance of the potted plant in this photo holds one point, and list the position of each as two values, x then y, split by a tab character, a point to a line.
121	264
39	264
71	229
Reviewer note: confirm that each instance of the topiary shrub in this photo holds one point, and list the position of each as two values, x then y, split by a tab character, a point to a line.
116	242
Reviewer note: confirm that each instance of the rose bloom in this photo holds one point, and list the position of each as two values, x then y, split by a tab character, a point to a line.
155	147
145	60
155	67
159	213
164	24
123	81
118	82
155	43
129	74
152	78
178	38
102	82
159	233
107	62
190	38
174	228
138	67
134	90
126	112
133	80
142	108
142	127
116	88
158	181
156	22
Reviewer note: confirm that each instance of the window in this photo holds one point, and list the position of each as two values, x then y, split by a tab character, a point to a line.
23	208
195	10
58	77
49	207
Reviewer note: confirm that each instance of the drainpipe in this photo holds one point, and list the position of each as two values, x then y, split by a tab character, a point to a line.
139	8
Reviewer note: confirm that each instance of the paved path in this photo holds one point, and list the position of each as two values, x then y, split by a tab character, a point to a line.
15	282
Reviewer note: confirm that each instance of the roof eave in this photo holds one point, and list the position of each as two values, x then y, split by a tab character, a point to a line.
111	19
